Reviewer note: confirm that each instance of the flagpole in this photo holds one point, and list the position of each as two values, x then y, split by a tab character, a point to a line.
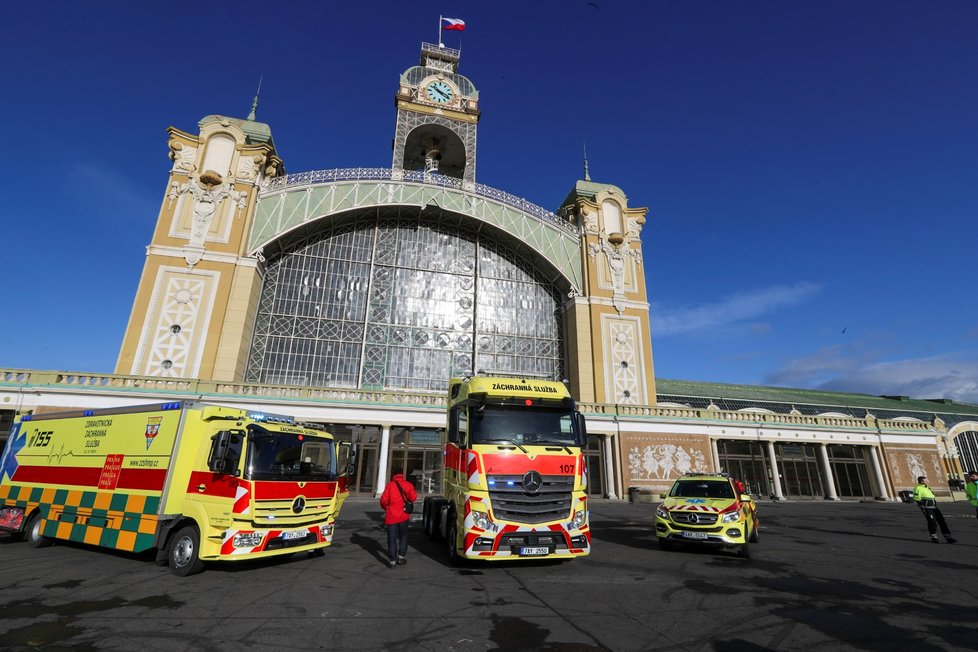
439	30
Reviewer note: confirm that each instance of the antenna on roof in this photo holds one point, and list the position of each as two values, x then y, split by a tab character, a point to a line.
587	174
254	102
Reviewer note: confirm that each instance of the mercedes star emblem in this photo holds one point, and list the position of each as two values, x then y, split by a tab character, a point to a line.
298	505
532	481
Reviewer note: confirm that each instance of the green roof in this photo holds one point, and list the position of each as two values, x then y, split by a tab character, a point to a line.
255	132
590	189
763	396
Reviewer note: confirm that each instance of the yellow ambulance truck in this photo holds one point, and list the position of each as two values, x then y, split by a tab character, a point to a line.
515	477
196	482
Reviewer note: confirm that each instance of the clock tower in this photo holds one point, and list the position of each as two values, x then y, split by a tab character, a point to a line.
437	115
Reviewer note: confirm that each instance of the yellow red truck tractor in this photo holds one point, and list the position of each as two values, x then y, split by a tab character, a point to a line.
515	477
196	482
707	510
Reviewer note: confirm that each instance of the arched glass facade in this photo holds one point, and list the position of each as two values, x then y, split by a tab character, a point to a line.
397	300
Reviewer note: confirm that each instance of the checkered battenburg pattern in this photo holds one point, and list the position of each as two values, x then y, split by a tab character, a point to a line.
123	521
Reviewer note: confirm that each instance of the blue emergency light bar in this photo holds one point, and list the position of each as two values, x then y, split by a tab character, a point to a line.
270	418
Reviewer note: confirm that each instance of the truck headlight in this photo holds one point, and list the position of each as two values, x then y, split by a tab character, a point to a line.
732	517
326	530
247	540
580	518
481	520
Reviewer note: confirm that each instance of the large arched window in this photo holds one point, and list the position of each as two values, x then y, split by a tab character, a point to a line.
967	445
402	302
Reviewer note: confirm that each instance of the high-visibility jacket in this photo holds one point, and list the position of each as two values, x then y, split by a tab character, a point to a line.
971	490
922	492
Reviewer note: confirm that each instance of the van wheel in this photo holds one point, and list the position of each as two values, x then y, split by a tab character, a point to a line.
743	551
184	552
451	540
32	532
753	535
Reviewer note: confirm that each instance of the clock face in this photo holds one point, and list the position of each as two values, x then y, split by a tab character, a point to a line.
439	91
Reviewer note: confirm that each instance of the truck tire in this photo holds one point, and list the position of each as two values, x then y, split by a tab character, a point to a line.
432	525
32	532
428	520
451	540
183	552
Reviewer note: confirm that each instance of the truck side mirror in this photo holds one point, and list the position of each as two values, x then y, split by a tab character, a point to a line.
581	430
225	452
346	458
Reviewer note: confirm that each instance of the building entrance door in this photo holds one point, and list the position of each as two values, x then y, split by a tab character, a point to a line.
744	460
594	458
800	477
418	453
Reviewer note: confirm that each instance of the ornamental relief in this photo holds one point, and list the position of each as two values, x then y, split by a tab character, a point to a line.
616	254
183	157
664	458
207	193
907	465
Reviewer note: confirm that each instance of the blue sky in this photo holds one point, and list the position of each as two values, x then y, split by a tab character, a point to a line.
810	168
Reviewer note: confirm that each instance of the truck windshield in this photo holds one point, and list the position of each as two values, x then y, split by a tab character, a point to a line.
522	426
289	456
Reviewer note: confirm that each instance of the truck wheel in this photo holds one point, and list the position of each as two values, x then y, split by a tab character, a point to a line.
451	540
184	552
32	532
429	529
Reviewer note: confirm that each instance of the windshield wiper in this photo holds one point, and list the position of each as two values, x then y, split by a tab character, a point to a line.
503	441
556	443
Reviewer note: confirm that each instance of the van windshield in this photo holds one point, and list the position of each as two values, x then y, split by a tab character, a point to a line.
522	426
289	456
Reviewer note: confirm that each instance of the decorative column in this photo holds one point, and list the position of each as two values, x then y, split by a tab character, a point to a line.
716	455
877	469
609	466
385	444
823	456
775	474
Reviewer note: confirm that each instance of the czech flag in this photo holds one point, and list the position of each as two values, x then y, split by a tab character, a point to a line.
455	24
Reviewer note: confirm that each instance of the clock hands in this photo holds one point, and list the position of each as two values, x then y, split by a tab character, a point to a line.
440	92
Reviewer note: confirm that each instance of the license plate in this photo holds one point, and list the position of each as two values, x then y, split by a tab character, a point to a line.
295	534
529	552
694	535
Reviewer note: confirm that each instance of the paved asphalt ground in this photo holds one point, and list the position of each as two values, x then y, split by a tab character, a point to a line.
837	576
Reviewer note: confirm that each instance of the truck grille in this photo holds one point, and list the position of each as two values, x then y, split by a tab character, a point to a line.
512	502
278	513
694	518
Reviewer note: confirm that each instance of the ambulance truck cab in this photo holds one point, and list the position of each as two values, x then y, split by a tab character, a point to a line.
196	482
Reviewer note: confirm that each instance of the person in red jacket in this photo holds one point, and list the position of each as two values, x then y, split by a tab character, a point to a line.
397	492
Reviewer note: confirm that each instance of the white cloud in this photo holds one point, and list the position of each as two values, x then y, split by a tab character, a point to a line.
731	310
953	376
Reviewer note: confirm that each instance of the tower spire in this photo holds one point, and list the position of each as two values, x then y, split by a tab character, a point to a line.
254	102
587	174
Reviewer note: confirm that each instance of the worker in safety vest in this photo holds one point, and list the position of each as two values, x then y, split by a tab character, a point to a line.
924	497
971	490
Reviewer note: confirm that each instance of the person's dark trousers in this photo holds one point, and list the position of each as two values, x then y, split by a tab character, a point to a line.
397	535
934	519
